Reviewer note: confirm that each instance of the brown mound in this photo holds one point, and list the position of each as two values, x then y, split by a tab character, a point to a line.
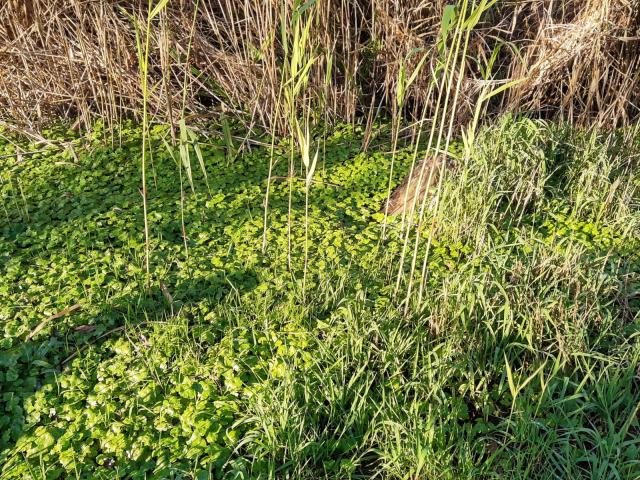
583	62
408	196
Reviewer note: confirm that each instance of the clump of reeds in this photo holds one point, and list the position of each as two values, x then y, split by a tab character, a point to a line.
581	61
78	59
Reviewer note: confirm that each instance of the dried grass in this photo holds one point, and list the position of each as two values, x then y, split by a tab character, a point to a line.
77	58
582	62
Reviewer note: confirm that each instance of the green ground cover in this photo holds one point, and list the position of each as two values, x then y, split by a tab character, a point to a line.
521	359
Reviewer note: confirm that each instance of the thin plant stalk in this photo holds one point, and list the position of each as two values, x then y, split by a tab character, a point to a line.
452	53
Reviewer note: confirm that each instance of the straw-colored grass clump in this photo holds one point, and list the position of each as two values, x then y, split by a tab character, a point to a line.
78	59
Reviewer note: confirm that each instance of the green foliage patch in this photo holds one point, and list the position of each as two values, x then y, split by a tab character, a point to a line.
519	362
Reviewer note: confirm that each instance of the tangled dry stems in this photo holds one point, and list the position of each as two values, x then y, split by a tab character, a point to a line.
77	59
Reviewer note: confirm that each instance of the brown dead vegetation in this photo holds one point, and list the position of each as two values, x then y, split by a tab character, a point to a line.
77	58
582	61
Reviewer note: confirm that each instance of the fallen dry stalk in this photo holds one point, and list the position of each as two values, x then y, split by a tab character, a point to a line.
45	322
